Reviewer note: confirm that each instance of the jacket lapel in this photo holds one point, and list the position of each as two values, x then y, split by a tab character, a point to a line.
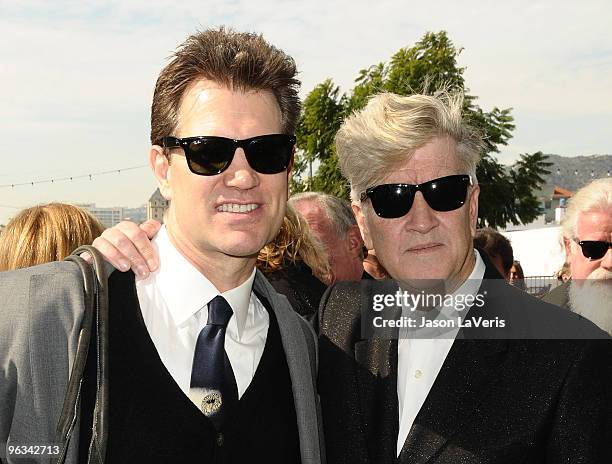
300	369
376	358
377	381
462	384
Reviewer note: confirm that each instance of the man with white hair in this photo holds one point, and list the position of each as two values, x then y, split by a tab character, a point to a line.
587	237
533	389
333	222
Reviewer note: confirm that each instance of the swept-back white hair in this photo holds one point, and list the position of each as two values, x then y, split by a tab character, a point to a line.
595	196
385	133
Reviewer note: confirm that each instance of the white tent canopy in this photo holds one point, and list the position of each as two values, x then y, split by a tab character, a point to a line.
539	250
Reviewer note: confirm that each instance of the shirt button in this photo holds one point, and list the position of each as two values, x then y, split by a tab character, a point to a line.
418	374
219	439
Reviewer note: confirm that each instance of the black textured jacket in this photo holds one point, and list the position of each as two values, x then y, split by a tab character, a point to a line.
300	286
503	400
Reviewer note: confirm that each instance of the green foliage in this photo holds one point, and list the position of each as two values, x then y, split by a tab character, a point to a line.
528	175
494	184
321	117
515	184
430	65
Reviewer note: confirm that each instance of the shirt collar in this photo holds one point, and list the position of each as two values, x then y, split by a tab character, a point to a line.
472	284
186	290
469	287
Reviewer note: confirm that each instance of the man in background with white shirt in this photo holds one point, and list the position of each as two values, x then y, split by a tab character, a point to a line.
452	394
207	362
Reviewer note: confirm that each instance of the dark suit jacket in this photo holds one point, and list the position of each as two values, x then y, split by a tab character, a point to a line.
297	282
497	400
559	296
41	311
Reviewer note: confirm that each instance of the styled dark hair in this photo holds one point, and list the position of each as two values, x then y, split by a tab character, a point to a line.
237	60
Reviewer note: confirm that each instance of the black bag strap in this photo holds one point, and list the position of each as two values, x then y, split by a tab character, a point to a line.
95	318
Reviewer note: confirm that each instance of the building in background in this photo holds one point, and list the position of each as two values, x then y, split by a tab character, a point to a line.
108	216
137	215
552	202
112	215
157	206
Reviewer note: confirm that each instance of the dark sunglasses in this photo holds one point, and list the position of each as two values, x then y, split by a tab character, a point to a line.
594	249
208	156
395	200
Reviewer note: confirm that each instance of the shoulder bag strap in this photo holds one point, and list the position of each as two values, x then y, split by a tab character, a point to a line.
95	318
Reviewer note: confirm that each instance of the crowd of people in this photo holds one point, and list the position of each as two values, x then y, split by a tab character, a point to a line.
239	330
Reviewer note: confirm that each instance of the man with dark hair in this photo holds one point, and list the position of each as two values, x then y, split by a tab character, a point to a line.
207	362
497	247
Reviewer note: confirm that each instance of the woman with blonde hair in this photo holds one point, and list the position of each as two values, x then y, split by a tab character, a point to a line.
296	264
46	233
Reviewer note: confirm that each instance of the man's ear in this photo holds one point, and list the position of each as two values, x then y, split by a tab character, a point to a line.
354	240
474	208
361	222
567	245
160	165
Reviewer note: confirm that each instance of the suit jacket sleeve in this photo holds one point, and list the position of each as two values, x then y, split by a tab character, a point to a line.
338	326
41	310
582	430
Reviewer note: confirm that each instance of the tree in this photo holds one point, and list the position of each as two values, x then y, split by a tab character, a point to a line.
431	64
321	117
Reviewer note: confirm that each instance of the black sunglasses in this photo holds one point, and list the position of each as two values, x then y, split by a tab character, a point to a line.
395	200
208	156
594	249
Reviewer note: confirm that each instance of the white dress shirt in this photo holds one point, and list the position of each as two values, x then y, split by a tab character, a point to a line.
420	361
174	300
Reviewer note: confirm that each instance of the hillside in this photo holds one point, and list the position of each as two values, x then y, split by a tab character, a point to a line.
574	172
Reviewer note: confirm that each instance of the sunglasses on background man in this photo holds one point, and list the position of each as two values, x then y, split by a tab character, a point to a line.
594	249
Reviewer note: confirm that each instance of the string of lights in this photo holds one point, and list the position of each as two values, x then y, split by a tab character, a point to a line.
118	171
576	172
71	178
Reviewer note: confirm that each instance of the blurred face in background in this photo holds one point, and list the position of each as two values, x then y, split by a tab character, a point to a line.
514	274
590	225
590	291
345	253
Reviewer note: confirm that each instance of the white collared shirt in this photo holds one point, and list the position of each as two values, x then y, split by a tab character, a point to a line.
174	300
420	360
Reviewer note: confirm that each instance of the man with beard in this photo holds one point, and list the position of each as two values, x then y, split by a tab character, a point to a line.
587	237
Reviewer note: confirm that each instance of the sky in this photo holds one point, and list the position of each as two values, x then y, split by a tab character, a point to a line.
76	77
